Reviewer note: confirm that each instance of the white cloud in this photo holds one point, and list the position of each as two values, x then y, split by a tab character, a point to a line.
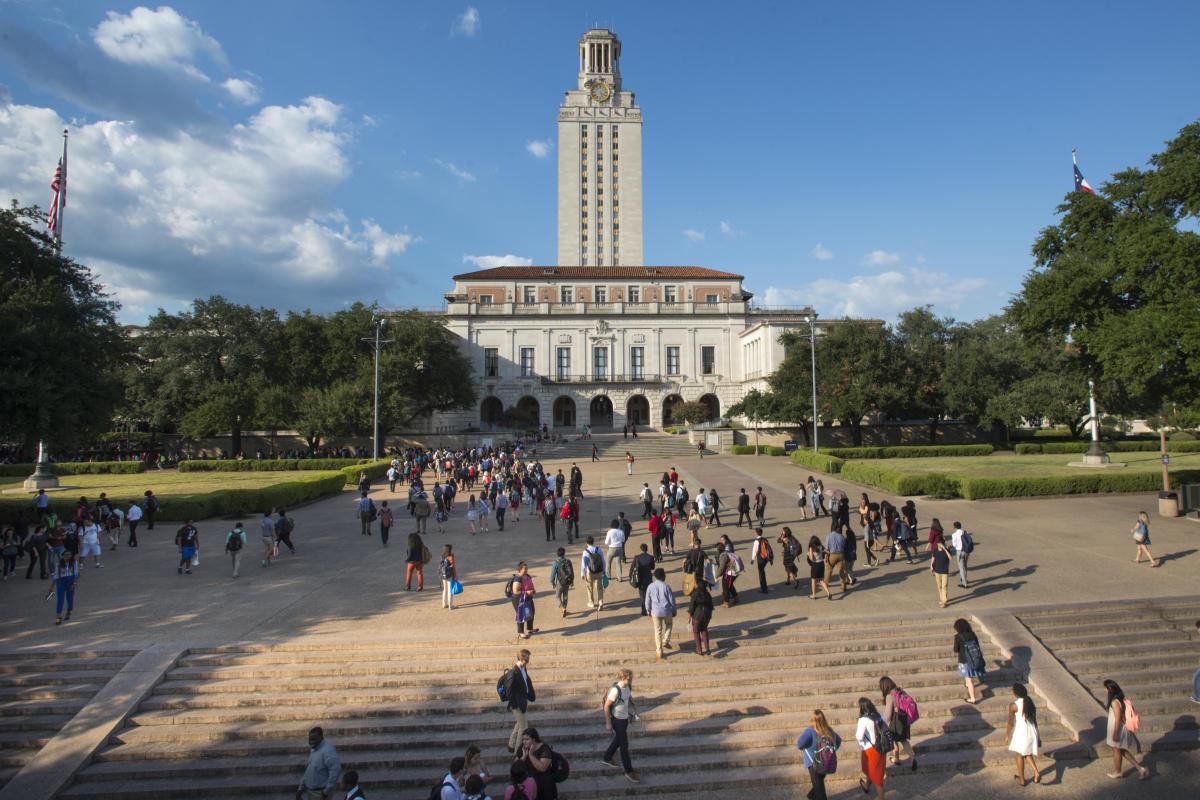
161	38
408	174
880	296
488	262
461	174
246	210
727	229
693	235
822	253
466	23
880	258
244	92
539	148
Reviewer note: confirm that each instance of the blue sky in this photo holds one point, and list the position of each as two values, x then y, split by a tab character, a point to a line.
864	157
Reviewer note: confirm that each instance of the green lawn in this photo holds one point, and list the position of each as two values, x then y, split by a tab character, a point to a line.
165	484
1013	466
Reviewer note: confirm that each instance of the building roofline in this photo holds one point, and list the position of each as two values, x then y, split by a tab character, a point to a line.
620	272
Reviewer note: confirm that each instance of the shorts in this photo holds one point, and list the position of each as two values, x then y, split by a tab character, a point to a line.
89	550
187	552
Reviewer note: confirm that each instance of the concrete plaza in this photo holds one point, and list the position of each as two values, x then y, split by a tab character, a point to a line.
342	587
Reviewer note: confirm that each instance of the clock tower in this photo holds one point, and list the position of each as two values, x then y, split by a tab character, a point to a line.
599	162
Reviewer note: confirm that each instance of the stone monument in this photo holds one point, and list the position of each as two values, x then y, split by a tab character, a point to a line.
42	477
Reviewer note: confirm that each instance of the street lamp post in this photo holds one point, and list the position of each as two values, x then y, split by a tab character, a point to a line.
811	319
380	323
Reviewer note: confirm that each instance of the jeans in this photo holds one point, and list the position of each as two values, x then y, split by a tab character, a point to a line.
561	593
236	558
647	509
620	741
628	468
500	518
614	556
548	519
662	633
364	518
447	597
133	523
384	530
37	555
700	635
64	588
962	567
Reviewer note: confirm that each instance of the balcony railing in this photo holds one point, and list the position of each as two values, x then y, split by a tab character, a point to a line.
641	377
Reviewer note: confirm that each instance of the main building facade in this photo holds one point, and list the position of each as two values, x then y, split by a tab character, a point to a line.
601	339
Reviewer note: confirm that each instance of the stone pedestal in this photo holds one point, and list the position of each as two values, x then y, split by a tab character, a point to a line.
1095	456
42	478
1168	506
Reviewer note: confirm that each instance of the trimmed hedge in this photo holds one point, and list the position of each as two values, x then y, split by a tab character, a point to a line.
910	451
223	502
374	469
1083	483
1135	446
763	449
902	483
77	468
818	461
269	464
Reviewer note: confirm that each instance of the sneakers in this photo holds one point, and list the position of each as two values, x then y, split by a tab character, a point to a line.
633	776
179	570
607	763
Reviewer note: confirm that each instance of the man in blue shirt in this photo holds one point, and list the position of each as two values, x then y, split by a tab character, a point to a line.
362	507
660	602
835	548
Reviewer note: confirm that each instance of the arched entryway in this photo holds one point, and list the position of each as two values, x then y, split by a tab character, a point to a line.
669	402
491	411
714	406
601	412
564	412
637	410
527	412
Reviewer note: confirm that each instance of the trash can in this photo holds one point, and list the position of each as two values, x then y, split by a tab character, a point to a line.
1168	504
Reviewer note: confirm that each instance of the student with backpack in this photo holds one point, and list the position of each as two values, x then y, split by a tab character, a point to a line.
900	711
970	657
451	786
1123	723
591	567
729	566
448	572
521	592
520	785
761	555
386	519
562	578
963	545
876	742
619	713
816	566
539	760
284	527
516	691
235	541
819	742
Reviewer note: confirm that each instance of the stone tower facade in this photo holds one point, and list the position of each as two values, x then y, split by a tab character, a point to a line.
599	162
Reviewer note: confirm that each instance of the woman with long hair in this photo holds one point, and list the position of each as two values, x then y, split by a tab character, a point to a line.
790	549
472	513
1141	537
939	565
1022	733
729	594
1122	740
935	530
816	566
864	509
817	737
700	611
538	760
898	723
474	765
415	563
964	640
871	761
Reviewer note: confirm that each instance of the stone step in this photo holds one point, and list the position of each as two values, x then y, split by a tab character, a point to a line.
61	655
1129	664
11	741
565	695
63	677
583	754
44	692
1099	634
1123	607
647	683
273	722
81	664
34	722
27	708
732	778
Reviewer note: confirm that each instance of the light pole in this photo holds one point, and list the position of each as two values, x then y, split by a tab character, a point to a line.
811	319
379	323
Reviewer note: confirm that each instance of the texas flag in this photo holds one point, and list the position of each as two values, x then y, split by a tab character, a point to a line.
1081	183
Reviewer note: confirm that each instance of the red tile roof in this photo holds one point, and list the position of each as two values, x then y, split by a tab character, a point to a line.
623	273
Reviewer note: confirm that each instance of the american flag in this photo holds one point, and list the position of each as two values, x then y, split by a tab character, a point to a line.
1081	184
58	200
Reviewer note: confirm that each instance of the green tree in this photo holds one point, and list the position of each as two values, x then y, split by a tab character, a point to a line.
338	410
983	364
202	366
1118	280
60	364
690	412
755	406
922	341
422	370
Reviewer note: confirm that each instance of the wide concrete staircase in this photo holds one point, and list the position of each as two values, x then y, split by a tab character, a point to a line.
649	445
41	692
230	722
1150	647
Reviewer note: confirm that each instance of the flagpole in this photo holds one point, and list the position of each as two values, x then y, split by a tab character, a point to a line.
1073	161
61	199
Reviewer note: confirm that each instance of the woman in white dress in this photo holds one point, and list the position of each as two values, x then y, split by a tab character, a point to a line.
1022	734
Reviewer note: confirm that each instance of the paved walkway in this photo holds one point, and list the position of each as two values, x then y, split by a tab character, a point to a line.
343	586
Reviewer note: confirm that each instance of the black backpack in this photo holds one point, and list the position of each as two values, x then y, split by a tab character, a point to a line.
508	592
234	541
436	792
595	562
560	768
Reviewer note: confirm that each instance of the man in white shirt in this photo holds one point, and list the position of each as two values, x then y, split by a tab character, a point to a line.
593	578
452	782
89	537
647	497
618	713
614	540
956	540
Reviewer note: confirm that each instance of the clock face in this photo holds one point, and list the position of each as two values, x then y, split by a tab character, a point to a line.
600	92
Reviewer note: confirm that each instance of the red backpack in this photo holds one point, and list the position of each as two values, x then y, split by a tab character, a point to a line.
907	706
